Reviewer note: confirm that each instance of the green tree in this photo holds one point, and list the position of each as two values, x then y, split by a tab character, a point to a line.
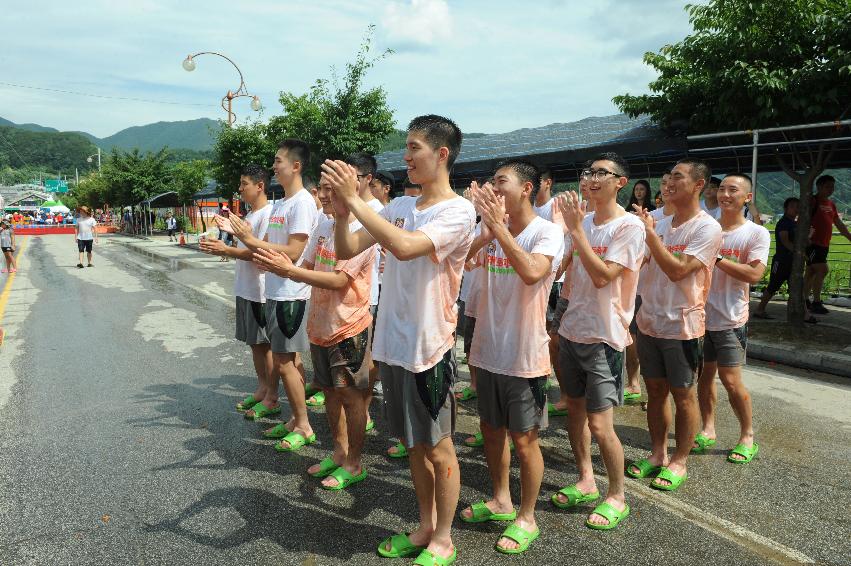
132	177
754	64
189	177
237	147
336	117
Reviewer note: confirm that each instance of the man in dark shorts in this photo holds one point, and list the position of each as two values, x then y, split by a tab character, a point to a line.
824	218
340	330
781	263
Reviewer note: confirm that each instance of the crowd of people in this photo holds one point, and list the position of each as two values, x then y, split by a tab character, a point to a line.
369	285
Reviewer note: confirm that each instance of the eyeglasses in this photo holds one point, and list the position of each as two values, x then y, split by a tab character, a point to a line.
362	177
597	174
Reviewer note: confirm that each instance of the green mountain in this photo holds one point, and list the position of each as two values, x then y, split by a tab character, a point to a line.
197	135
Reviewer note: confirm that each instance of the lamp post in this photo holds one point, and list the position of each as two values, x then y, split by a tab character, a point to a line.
227	99
89	158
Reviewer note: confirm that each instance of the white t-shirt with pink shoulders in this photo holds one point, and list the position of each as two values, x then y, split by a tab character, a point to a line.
292	215
376	206
603	315
550	211
249	282
472	281
417	311
511	323
727	304
675	309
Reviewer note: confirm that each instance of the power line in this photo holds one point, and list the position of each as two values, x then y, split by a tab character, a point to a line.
12	147
93	95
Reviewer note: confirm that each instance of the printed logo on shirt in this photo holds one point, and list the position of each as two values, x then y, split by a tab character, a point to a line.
323	254
730	254
677	250
277	222
496	264
399	223
599	251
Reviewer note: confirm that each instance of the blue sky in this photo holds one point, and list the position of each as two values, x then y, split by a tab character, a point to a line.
493	66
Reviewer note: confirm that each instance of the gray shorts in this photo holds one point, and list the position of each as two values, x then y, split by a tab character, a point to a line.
594	371
344	364
251	322
633	325
286	326
558	314
516	403
469	329
728	348
419	408
678	361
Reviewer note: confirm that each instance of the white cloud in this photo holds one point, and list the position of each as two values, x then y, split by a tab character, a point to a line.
418	23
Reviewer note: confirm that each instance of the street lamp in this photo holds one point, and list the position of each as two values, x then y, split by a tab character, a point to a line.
89	158
227	100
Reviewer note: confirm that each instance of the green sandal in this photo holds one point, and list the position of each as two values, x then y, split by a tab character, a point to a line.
428	558
400	547
326	468
483	514
316	400
296	440
370	425
277	431
262	412
246	403
401	451
466	394
703	442
610	513
344	478
747	453
667	474
574	497
519	535
645	469
310	390
553	412
630	397
479	440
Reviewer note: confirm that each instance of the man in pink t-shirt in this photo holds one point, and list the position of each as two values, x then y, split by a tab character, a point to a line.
339	327
740	263
426	240
671	321
609	245
510	347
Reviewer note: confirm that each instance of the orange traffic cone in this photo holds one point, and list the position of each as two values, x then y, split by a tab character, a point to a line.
182	241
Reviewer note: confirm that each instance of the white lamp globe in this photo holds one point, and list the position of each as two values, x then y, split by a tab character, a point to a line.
255	104
189	64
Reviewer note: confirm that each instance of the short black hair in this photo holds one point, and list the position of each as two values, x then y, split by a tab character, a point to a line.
297	150
385	178
308	182
824	179
666	172
789	201
699	169
363	162
546	173
526	171
620	162
744	176
257	173
439	132
715	181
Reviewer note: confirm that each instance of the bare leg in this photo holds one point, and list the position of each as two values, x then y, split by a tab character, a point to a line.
337	424
294	387
531	475
447	487
658	420
261	355
603	428
633	369
707	399
353	401
561	404
686	424
740	400
580	442
499	461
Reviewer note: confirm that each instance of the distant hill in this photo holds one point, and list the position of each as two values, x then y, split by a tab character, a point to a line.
197	135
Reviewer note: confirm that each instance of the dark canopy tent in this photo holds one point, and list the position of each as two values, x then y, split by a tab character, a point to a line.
164	200
563	148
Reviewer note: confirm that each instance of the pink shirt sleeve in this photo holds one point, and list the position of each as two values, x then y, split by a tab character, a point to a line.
353	267
449	229
627	246
705	243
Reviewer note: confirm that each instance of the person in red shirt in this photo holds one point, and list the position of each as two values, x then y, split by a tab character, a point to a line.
824	218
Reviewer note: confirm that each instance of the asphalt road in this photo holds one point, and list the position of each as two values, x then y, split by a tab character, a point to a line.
119	444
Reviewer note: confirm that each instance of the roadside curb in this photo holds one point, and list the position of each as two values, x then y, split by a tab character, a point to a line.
833	363
153	254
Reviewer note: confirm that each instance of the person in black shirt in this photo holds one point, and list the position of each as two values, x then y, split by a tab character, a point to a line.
781	263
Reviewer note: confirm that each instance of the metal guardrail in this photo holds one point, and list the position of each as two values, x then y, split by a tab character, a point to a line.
838	280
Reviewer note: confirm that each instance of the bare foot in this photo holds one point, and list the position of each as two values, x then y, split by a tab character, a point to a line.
306	433
331	481
676	469
584	487
493	505
596	519
509	544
